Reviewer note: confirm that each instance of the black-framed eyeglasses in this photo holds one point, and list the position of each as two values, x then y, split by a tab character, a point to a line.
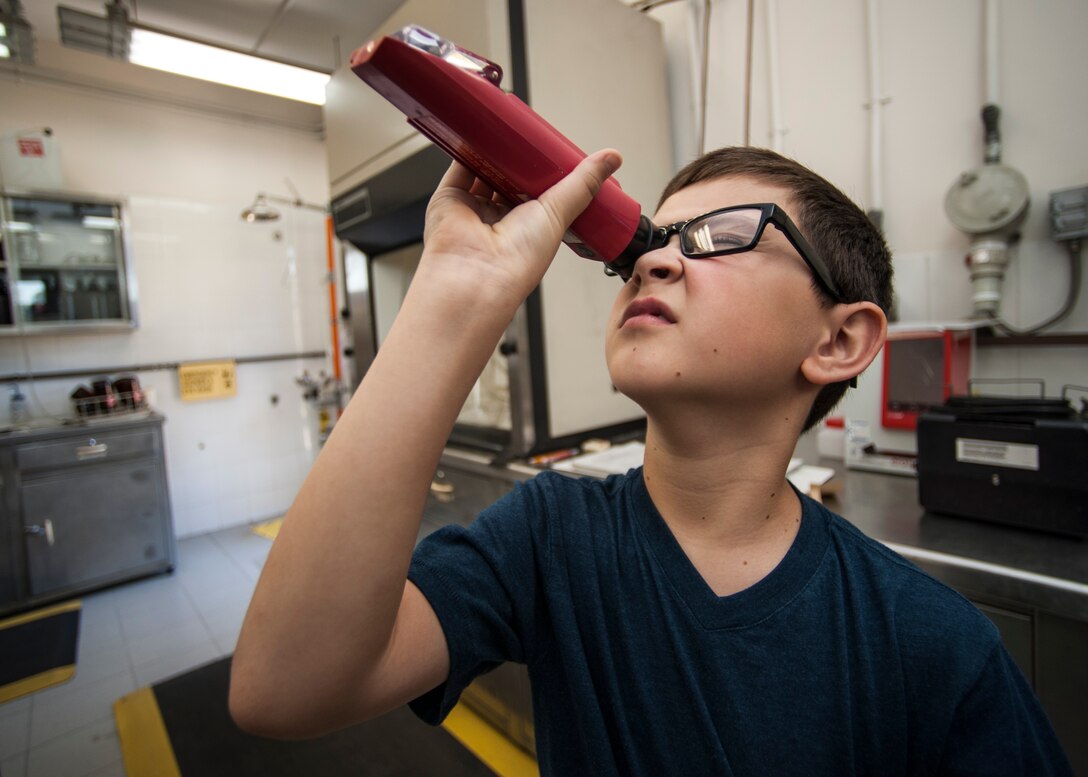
735	230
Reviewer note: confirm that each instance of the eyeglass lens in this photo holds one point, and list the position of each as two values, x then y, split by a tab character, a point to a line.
733	229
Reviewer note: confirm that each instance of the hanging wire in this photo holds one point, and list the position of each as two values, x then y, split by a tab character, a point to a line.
1074	247
272	22
30	381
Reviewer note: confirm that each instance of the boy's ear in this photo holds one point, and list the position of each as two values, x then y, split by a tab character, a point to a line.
852	338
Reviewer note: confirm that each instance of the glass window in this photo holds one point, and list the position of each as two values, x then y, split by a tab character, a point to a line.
63	263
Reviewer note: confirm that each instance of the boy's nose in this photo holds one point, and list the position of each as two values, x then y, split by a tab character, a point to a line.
661	264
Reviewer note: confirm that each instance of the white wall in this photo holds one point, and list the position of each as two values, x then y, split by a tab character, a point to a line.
932	63
210	285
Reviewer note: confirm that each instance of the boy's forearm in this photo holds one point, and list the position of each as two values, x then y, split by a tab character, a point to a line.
325	608
330	590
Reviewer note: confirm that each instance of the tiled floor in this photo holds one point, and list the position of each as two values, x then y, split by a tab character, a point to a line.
131	636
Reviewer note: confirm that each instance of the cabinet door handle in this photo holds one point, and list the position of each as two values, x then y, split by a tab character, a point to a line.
42	531
92	450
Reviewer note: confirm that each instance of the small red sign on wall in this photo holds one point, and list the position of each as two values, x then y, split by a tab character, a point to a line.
31	147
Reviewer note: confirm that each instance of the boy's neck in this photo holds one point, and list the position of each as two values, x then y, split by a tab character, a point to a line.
724	495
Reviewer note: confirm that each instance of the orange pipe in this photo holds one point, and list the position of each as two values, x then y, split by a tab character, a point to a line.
329	251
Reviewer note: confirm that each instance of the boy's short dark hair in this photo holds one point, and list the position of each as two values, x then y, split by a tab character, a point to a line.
844	237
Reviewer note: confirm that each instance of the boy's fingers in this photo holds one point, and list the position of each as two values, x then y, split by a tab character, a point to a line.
482	189
568	198
457	176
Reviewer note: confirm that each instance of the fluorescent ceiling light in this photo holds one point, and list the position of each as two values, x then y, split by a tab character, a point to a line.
5	52
19	226
210	63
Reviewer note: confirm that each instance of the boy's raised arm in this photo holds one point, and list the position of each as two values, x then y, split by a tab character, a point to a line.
334	634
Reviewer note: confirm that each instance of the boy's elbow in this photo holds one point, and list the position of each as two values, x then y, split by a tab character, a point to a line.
270	710
256	708
251	710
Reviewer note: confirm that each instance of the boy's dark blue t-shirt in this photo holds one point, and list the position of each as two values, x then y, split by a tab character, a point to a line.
845	659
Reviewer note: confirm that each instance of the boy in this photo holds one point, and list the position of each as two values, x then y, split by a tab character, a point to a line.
695	616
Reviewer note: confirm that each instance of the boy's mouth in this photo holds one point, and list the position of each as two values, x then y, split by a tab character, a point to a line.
650	310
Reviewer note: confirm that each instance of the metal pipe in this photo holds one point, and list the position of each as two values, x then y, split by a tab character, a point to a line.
748	73
993	92
153	366
772	73
330	243
704	78
876	114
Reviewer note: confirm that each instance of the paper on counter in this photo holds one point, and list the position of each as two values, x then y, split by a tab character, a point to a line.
807	476
611	461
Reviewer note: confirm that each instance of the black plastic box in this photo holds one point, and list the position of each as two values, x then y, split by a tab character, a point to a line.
1011	462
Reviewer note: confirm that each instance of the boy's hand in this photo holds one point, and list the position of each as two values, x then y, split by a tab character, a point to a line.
476	242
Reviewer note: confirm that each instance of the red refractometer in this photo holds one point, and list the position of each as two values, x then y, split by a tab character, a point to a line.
453	97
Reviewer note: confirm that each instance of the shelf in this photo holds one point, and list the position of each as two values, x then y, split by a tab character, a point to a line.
1064	338
25	267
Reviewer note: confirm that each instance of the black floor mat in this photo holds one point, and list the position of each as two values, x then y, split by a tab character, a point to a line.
38	649
206	742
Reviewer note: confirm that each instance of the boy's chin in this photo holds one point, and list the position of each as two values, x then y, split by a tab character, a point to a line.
650	392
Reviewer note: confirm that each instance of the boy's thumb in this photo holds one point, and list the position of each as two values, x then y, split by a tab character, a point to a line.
572	194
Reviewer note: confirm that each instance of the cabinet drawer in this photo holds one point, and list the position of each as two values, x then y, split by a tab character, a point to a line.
85	448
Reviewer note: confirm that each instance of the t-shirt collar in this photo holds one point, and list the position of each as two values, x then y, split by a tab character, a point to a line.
754	603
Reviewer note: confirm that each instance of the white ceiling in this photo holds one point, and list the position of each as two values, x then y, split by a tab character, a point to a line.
301	31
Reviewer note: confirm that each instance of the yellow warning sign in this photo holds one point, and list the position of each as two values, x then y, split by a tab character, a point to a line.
207	380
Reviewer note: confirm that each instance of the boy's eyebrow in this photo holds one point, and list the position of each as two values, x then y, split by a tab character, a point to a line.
658	221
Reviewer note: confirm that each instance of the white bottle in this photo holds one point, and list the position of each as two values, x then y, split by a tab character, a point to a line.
19	412
831	438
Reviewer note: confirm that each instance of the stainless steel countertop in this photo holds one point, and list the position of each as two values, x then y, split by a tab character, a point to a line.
41	428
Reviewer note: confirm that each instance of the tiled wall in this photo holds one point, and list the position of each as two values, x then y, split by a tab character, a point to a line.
209	286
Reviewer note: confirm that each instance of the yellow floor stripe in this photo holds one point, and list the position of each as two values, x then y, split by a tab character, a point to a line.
496	751
146	750
60	674
46	612
268	529
145	745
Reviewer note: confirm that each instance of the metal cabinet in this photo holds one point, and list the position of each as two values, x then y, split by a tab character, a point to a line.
86	507
1050	650
1017	633
10	538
